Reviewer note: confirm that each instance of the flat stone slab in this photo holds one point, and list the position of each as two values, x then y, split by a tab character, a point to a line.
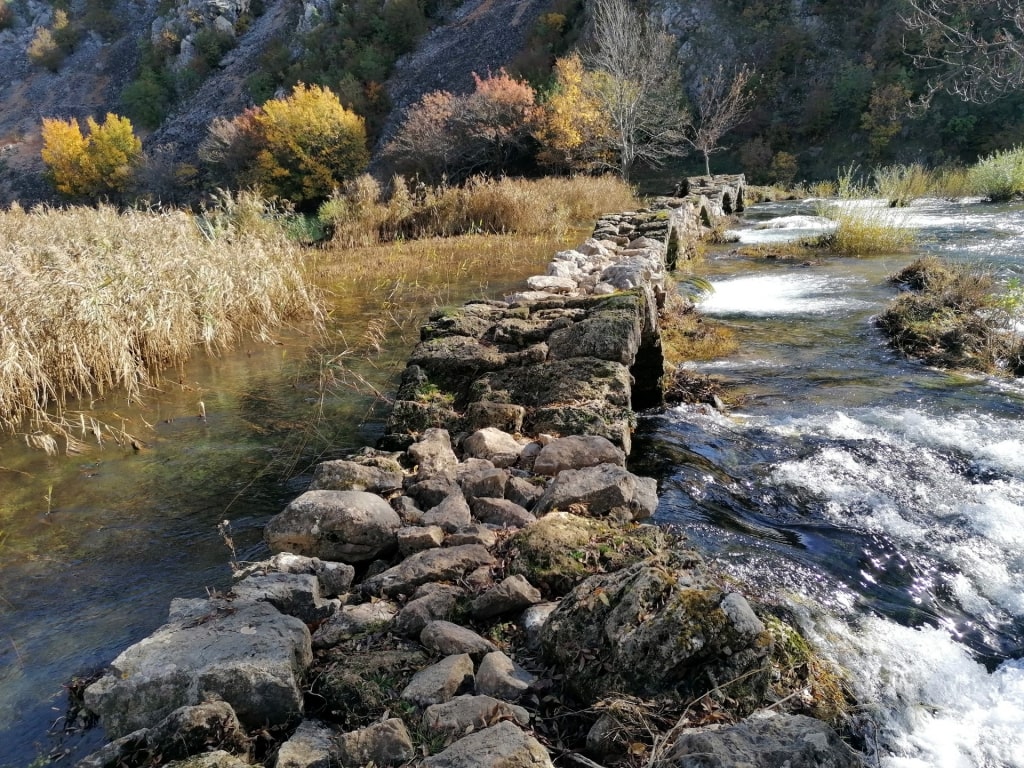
247	654
446	564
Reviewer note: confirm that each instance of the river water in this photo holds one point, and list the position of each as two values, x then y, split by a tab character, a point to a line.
883	500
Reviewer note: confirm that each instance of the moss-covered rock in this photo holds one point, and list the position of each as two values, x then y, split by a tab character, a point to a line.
660	627
562	549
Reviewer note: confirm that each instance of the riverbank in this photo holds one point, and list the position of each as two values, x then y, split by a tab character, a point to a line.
679	647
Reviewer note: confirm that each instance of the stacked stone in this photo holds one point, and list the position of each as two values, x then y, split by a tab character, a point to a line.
424	558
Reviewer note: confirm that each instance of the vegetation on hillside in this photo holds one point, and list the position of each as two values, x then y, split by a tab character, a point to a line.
95	164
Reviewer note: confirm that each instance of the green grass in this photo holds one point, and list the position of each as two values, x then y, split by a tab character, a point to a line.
999	176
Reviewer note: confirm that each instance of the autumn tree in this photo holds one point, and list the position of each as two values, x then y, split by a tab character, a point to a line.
721	100
298	148
99	162
571	128
973	48
455	136
636	83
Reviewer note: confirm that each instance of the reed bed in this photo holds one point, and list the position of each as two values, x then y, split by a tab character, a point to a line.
93	299
865	230
361	214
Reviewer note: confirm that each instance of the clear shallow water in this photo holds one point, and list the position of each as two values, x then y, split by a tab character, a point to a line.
885	500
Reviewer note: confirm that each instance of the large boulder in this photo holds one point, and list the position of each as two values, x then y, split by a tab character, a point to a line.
660	626
501	746
350	526
794	741
296	594
343	475
577	452
498	447
247	654
446	564
433	454
385	743
605	489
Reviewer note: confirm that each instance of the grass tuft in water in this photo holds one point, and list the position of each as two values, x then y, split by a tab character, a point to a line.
865	230
957	316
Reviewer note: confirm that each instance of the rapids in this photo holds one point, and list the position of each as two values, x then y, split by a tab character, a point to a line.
884	500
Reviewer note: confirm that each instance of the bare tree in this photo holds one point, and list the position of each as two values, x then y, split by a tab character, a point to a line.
721	100
974	47
636	82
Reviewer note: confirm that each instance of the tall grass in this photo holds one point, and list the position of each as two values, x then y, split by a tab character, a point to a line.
999	176
93	299
865	230
361	214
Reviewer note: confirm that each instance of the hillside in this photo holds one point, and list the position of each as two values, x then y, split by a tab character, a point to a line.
834	81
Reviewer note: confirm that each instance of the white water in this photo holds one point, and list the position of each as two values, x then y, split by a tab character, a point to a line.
884	499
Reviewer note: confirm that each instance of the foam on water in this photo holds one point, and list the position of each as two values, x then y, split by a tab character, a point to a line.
929	704
787	294
952	487
783	229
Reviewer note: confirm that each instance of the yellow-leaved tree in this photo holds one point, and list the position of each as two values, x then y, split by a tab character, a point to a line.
308	144
99	162
572	131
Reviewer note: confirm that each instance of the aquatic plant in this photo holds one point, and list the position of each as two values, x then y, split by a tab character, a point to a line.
956	316
902	184
94	299
864	230
999	176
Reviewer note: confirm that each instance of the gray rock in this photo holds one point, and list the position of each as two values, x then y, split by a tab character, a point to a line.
551	284
429	603
342	475
441	681
386	743
502	513
529	456
354	620
445	638
432	491
577	452
471	466
794	741
296	594
504	416
488	482
350	526
417	538
335	578
502	678
606	489
501	746
407	510
492	444
445	564
311	746
216	759
473	534
522	492
465	713
249	655
118	753
661	624
532	621
513	594
433	454
451	514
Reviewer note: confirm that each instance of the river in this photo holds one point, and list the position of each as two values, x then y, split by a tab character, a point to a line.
883	500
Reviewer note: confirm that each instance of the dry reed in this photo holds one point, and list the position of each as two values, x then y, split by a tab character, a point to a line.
92	299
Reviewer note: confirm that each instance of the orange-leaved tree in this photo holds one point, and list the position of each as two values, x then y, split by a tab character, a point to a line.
573	132
99	162
488	130
308	143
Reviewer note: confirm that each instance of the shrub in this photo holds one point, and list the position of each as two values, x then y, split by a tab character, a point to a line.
44	51
999	176
6	15
488	130
308	144
148	99
98	163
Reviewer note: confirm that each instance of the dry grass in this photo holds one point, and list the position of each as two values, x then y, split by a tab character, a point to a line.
953	316
362	215
865	230
92	299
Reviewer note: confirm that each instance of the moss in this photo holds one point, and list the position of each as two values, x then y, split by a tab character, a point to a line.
562	549
687	335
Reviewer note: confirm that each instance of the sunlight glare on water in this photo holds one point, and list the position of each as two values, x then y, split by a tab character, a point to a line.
772	295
